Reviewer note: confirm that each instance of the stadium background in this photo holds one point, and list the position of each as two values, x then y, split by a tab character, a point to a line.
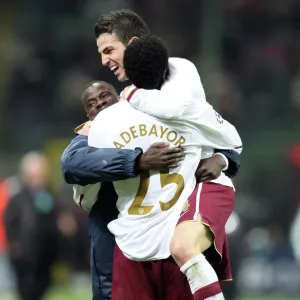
248	55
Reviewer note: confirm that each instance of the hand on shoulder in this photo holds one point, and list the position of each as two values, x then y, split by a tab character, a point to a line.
84	128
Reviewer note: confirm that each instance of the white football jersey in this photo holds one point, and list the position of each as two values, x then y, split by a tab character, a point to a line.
182	97
150	204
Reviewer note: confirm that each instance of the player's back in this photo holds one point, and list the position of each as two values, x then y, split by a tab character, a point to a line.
182	98
150	204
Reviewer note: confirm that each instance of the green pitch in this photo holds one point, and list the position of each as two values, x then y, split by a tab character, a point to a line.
63	294
84	293
69	294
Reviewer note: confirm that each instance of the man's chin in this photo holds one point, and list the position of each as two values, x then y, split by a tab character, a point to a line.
122	77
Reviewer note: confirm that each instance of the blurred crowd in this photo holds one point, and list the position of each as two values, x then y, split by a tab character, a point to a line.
39	232
247	53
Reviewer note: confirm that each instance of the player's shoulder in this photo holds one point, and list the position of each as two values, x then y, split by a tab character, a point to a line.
79	127
113	110
178	62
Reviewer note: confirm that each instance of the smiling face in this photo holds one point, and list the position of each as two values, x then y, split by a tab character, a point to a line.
97	97
112	50
114	31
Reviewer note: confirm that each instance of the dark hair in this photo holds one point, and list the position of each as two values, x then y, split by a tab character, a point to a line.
146	62
124	23
100	82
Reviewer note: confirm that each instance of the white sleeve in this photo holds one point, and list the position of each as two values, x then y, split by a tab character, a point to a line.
183	86
86	196
182	96
217	132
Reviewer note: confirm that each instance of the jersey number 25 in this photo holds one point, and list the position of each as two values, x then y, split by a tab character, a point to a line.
137	207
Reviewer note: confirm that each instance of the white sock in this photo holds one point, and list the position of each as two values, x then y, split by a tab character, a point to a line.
200	274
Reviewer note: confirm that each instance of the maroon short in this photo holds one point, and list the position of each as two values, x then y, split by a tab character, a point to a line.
215	206
152	280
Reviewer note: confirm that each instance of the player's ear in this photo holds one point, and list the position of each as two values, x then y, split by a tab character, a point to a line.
134	38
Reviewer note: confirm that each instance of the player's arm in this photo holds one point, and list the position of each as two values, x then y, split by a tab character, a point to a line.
232	160
216	131
226	136
210	168
84	165
155	103
183	86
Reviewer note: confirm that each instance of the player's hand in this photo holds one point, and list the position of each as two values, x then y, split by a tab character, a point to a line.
85	129
161	156
210	168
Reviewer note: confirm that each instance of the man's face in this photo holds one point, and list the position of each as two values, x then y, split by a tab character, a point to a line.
112	50
98	97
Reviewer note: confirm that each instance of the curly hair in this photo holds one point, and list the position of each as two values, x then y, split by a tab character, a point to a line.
124	23
146	62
